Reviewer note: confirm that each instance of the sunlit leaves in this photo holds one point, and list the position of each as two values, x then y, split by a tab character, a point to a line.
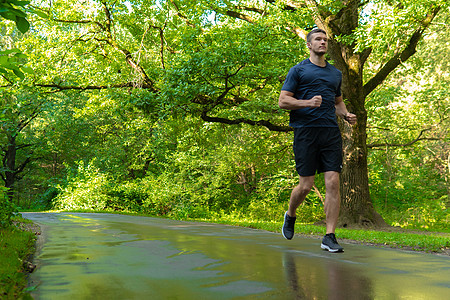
389	25
11	10
11	60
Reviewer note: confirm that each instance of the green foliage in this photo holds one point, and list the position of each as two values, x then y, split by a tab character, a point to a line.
12	60
45	200
409	199
85	188
410	182
196	172
19	140
432	215
128	196
7	209
10	9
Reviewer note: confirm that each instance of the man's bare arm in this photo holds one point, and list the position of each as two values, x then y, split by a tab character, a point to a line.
341	111
287	101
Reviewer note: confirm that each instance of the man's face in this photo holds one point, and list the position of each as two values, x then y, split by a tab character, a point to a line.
318	43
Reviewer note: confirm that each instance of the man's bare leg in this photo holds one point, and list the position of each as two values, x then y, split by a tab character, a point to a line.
332	206
299	194
332	200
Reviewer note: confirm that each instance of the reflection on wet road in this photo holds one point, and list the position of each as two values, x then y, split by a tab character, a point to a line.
104	256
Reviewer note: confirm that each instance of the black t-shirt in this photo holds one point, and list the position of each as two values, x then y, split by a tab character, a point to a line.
307	80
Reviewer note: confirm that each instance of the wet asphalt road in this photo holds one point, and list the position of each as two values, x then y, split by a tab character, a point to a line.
105	256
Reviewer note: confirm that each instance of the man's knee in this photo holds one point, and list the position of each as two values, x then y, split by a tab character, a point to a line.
304	189
305	185
332	180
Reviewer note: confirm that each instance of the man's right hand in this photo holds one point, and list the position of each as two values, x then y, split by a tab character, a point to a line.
315	101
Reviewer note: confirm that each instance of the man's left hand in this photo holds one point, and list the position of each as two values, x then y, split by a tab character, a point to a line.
351	118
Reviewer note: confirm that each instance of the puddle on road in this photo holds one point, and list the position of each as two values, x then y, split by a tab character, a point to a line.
95	256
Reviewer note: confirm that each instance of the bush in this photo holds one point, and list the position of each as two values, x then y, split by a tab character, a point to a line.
7	209
428	215
166	196
128	196
85	188
45	201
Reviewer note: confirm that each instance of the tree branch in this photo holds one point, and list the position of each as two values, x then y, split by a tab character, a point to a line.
297	30
162	39
252	9
300	32
239	16
128	57
23	146
21	167
286	7
418	138
80	22
24	123
373	146
91	87
146	83
181	15
265	123
402	56
317	15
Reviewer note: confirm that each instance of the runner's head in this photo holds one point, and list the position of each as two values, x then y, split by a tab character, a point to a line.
317	41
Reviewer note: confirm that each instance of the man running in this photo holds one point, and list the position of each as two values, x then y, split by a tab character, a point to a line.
312	93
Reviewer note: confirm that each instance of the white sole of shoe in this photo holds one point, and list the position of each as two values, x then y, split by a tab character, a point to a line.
282	232
325	247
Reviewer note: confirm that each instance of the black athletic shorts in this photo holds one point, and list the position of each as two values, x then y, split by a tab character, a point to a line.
317	149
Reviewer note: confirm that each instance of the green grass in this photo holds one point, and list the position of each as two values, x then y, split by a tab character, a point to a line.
394	238
16	246
423	241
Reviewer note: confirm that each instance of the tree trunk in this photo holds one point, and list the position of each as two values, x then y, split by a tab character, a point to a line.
9	165
356	204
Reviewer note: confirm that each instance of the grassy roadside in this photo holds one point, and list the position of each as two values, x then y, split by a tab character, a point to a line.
423	241
16	248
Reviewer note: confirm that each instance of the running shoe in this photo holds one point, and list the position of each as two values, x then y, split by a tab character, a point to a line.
330	243
288	226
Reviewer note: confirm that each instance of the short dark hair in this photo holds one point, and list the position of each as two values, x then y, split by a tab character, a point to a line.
315	30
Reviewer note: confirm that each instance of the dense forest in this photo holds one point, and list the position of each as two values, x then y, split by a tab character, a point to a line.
170	107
